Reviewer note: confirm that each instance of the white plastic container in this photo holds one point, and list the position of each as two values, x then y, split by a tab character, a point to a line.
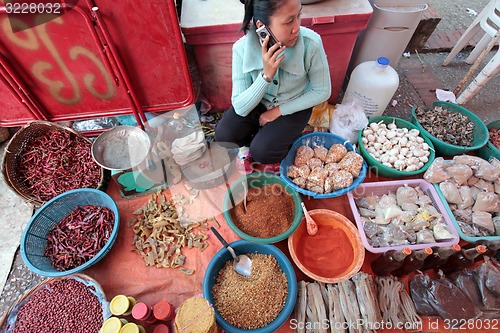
374	84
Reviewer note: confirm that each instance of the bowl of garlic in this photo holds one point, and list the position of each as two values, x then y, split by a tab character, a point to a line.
394	147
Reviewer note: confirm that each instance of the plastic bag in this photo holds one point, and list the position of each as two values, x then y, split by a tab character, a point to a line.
450	302
348	119
437	171
419	285
466	281
321	115
485	278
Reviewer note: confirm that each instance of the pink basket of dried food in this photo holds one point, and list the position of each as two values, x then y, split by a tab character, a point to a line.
393	215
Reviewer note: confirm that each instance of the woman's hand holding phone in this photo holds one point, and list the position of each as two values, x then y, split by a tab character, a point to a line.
271	58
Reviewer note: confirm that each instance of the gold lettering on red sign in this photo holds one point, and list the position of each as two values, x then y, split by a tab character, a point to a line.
43	71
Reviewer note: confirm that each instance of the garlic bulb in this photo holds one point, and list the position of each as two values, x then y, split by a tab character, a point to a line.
398	148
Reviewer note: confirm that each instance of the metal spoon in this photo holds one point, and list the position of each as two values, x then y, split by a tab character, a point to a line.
312	227
242	264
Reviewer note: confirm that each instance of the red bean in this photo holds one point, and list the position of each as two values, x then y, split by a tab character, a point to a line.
65	306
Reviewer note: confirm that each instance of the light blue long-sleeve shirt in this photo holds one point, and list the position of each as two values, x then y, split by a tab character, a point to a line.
301	82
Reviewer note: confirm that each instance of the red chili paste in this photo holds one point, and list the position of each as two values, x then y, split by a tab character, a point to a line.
329	253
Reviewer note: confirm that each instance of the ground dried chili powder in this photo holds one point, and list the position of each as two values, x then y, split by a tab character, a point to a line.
269	212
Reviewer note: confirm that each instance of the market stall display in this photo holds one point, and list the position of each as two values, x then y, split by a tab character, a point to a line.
82	240
160	228
77	304
322	165
253	284
44	159
393	147
273	208
452	128
397	214
469	186
333	254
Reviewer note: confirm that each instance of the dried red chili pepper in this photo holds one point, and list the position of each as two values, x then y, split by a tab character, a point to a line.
79	236
56	162
495	137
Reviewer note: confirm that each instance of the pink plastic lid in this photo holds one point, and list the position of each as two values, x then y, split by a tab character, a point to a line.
141	311
161	328
164	310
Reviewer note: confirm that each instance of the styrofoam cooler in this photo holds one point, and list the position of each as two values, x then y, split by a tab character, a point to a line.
212	26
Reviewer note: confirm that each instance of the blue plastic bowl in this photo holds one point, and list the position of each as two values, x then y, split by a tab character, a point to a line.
34	241
327	140
242	247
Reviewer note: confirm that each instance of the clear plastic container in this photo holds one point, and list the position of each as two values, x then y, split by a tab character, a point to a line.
374	84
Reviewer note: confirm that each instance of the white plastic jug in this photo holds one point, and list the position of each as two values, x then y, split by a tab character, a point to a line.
374	84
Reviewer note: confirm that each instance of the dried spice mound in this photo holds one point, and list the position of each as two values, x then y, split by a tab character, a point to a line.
56	162
255	301
79	236
495	137
269	212
448	126
62	306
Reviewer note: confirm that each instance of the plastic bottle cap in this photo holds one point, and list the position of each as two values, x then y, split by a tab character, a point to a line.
163	310
111	325
161	328
456	247
140	311
407	251
119	305
130	328
481	248
383	61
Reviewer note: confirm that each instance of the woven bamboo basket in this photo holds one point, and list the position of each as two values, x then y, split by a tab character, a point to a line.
19	142
8	320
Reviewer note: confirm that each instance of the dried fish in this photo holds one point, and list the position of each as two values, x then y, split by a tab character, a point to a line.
186	271
336	317
162	228
300	307
316	312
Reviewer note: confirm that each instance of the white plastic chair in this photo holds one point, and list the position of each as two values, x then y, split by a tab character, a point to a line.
489	21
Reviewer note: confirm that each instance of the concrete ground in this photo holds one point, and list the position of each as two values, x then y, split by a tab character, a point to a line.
420	75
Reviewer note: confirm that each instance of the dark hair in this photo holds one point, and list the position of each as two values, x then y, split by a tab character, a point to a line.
258	10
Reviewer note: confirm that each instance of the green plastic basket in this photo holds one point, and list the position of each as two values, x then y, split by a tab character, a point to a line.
257	180
383	170
470	239
489	150
480	132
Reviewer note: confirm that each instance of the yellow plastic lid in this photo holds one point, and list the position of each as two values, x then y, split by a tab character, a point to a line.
111	325
130	328
119	305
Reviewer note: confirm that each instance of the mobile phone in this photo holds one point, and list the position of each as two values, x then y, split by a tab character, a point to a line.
264	31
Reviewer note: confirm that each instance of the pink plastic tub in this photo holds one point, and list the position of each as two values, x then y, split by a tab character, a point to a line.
381	188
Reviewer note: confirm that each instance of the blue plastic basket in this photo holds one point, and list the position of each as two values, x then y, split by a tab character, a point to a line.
34	241
327	140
